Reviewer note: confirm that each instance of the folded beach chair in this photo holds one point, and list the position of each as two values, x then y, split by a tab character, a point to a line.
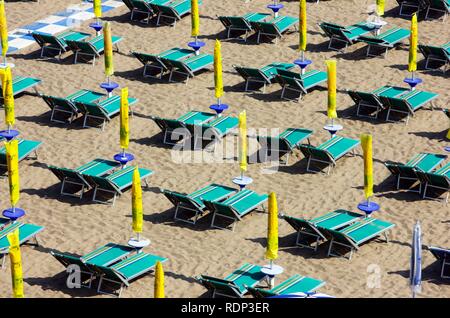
242	23
416	5
21	84
441	54
125	271
154	62
105	255
385	40
439	179
328	152
174	10
236	284
26	147
294	284
67	105
264	75
194	202
57	43
27	232
309	233
284	143
274	28
144	7
188	66
345	34
102	110
91	48
116	183
443	256
300	83
97	167
441	6
174	128
236	207
356	234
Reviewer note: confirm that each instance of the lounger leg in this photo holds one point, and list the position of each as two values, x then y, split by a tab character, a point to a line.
246	84
75	58
282	92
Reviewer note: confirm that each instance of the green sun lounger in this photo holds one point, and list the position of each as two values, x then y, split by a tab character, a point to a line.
116	183
242	23
67	105
309	233
176	128
274	28
328	152
91	48
236	284
283	144
22	84
174	10
440	54
439	179
385	40
415	5
294	284
125	271
194	202
105	255
26	147
264	75
423	161
27	232
57	43
102	110
353	236
440	6
97	167
300	83
154	62
443	256
235	207
188	66
345	34
144	7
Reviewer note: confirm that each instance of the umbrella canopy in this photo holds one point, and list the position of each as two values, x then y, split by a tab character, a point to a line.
272	228
331	71
218	84
195	19
413	41
415	276
136	200
243	141
3	28
380	7
124	122
366	144
302	33
98	8
159	281
109	67
16	264
12	160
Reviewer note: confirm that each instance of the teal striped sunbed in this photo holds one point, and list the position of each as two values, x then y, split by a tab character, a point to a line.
242	23
188	66
353	236
236	284
300	83
57	43
294	284
194	202
309	232
440	54
439	179
264	75
22	84
26	147
345	34
423	161
235	207
174	10
328	152
143	7
97	167
386	40
275	27
91	48
443	256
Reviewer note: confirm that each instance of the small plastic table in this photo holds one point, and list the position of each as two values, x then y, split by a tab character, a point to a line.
138	244
13	213
271	271
368	207
9	134
97	26
333	129
123	158
109	87
378	25
219	108
196	46
302	64
412	82
275	8
242	181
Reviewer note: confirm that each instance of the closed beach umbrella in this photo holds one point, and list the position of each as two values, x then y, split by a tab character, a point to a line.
12	160
8	97
195	19
302	33
413	41
124	122
218	84
366	144
16	264
98	8
415	275
331	71
272	229
380	7
159	281
136	200
243	141
3	29
109	67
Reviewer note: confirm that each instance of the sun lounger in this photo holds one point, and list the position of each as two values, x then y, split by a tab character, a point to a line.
416	5
26	147
328	152
105	255
242	23
300	83
353	236
57	43
144	7
294	284
67	105
188	66
97	167
91	48
194	202
385	40
236	284
345	34
125	271
443	256
235	207
439	179
116	183
284	143
441	6
154	62
173	10
264	75
22	84
309	233
441	54
274	28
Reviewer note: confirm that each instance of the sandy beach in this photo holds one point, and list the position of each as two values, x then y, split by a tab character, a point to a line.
79	226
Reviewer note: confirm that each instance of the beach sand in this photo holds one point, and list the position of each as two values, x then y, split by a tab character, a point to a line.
78	226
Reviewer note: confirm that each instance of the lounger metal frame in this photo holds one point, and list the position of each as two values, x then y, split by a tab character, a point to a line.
330	165
353	247
424	196
237	218
114	193
94	56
